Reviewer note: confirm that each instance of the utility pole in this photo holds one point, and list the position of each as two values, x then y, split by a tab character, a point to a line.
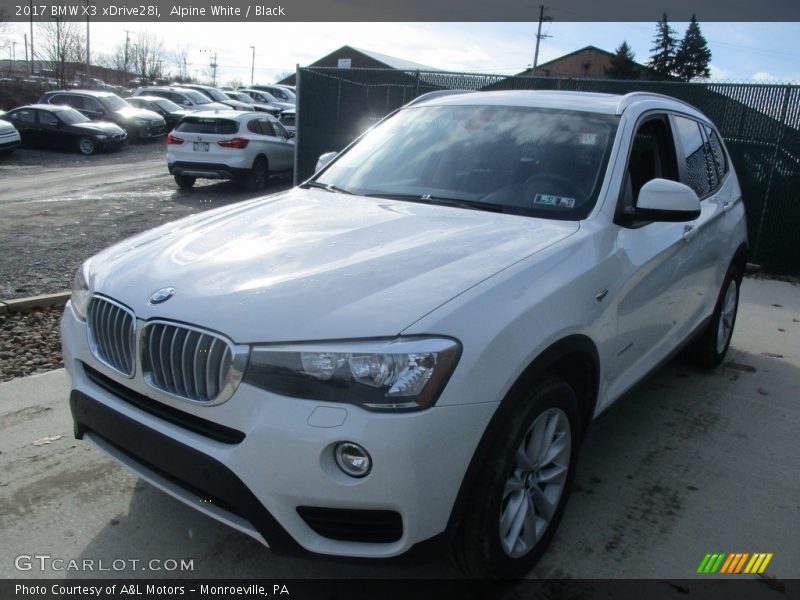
25	35
213	66
33	64
88	65
252	64
539	37
127	43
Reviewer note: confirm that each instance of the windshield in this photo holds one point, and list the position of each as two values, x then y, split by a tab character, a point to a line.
114	103
196	97
72	116
215	95
240	97
166	105
519	160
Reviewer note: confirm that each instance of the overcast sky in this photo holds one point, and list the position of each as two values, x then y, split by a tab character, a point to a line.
741	51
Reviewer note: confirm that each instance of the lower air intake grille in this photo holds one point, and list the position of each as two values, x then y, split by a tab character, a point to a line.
192	364
112	334
372	526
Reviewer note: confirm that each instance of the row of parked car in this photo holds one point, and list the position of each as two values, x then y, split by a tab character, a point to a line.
236	134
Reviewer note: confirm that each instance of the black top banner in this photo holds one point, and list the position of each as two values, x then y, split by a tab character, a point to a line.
390	10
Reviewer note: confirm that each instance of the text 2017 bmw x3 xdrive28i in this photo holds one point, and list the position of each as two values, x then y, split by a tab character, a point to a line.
405	351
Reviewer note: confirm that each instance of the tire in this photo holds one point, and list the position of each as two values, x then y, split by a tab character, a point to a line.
510	494
709	349
184	182
257	178
87	146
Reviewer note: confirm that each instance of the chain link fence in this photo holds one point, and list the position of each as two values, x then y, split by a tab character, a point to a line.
760	124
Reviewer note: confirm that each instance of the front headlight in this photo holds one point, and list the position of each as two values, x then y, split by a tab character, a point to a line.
141	122
398	374
101	136
81	295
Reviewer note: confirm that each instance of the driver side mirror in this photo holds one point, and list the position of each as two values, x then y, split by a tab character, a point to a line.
665	200
323	160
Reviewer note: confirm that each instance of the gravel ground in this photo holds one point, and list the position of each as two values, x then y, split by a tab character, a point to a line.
61	212
30	342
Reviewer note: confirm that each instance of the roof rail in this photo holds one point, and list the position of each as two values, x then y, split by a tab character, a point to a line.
435	94
632	97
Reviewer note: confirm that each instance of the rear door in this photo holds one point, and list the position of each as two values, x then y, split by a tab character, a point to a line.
281	147
704	168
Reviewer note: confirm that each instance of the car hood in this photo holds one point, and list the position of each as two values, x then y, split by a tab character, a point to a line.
100	127
312	265
139	113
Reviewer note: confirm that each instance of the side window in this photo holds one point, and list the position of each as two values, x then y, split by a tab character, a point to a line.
73	101
700	173
254	127
24	116
46	118
92	105
717	153
266	127
280	130
652	157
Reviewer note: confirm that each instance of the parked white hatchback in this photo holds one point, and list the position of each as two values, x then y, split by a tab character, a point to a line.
403	354
247	146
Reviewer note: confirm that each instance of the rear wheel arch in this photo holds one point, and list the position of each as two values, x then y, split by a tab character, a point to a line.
575	360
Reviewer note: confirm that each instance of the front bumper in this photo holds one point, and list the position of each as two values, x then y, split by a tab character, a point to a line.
283	464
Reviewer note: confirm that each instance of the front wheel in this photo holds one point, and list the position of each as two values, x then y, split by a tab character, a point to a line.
87	146
522	489
710	348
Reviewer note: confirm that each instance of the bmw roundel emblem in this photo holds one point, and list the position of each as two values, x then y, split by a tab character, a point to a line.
162	295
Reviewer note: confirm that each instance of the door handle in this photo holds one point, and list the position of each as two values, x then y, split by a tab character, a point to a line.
689	233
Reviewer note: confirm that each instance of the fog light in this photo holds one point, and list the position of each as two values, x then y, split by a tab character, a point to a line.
353	459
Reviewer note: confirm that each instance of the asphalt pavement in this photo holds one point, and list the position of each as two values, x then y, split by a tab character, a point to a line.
691	462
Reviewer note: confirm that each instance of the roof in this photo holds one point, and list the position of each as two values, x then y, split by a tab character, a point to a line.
391	61
48	107
95	93
610	104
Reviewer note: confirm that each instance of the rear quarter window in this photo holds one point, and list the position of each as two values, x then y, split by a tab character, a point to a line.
208	125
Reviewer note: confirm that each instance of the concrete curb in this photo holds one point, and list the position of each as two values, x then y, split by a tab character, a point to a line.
43	301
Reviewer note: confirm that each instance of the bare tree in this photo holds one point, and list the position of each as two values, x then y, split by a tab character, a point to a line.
148	56
61	48
180	59
234	83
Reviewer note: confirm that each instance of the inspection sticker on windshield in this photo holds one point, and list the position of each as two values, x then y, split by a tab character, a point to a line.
588	139
554	201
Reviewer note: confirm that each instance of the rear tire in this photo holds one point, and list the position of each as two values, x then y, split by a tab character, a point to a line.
256	179
709	349
87	146
184	182
522	489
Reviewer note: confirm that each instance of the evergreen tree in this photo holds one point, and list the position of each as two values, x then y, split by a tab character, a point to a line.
622	64
662	57
693	56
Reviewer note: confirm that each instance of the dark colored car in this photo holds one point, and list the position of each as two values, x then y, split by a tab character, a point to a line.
169	111
106	106
64	127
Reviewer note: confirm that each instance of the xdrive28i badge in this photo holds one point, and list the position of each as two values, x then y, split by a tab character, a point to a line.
162	295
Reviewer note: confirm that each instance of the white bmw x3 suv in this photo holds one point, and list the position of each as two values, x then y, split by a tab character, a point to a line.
403	354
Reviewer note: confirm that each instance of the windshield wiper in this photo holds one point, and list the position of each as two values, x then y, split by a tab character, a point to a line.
441	201
328	187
